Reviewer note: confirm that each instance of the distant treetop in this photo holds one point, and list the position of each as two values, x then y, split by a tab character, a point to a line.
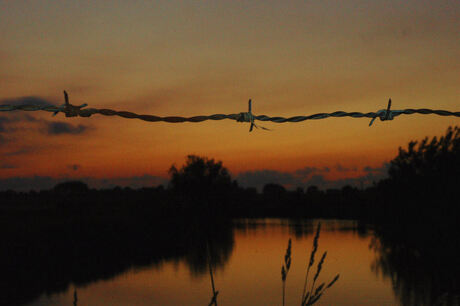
71	187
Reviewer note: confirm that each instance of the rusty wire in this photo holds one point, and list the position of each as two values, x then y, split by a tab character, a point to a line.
73	111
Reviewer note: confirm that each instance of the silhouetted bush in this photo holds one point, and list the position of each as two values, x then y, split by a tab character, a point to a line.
274	191
201	180
433	166
424	180
71	187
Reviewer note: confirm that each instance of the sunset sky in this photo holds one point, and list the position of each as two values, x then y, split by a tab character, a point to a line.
186	58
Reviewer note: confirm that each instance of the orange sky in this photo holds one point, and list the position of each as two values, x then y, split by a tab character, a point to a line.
200	58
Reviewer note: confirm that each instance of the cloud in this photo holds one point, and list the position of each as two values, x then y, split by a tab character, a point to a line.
7	121
74	167
58	128
132	181
304	178
46	182
309	176
51	127
3	140
16	116
7	166
30	118
22	150
27	183
317	180
311	170
10	124
300	178
341	168
377	170
259	178
7	124
5	127
3	121
32	100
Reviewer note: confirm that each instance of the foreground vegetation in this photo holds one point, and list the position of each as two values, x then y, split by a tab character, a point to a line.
310	293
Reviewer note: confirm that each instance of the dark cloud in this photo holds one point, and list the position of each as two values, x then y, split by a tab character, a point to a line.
371	175
50	127
74	167
309	176
341	168
5	123
28	183
5	127
46	182
27	100
311	170
317	180
132	181
300	178
58	128
21	151
30	118
9	123
377	170
7	166
259	178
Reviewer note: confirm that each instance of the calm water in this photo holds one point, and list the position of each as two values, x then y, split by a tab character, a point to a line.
248	271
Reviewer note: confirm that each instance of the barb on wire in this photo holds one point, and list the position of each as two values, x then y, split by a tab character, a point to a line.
69	109
73	111
249	117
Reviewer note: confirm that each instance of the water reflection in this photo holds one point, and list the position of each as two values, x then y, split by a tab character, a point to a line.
208	243
242	256
422	262
40	257
250	276
302	228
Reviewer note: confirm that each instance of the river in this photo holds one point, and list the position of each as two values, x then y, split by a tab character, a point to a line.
246	270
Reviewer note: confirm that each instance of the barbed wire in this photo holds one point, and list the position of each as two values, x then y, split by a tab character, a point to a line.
73	111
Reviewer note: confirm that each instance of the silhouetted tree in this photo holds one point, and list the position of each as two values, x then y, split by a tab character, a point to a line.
274	191
432	167
424	180
71	187
312	190
201	179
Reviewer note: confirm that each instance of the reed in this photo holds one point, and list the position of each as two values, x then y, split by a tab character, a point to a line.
311	296
285	268
213	301
75	297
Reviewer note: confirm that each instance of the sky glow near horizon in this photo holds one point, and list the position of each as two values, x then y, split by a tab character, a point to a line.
200	58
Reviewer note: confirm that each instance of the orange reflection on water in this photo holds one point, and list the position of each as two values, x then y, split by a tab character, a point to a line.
252	276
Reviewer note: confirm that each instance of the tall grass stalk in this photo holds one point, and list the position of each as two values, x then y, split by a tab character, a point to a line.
285	268
312	260
213	301
309	297
75	297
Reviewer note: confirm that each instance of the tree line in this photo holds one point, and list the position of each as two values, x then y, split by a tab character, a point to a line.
422	180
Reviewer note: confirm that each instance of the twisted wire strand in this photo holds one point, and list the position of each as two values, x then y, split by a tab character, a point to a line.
72	111
408	111
109	112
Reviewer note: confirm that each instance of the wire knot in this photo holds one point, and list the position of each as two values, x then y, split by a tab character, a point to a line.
249	117
384	114
71	110
245	117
